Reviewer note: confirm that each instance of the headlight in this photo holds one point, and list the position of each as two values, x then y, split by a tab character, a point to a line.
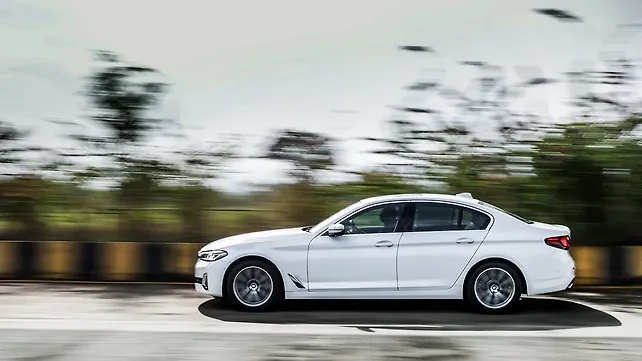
211	255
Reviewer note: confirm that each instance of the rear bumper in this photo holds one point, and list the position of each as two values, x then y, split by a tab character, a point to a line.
570	285
565	281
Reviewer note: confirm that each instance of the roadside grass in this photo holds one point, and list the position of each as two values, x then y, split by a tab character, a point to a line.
100	225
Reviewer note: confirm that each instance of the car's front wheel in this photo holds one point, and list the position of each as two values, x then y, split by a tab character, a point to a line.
493	287
253	285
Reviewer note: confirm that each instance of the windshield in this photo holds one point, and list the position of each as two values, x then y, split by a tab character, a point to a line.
326	222
506	212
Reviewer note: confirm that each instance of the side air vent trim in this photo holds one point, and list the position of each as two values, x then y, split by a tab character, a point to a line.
297	282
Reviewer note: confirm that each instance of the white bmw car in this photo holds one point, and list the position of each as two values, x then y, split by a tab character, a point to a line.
413	246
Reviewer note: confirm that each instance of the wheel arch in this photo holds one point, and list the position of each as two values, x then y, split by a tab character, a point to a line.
231	266
479	263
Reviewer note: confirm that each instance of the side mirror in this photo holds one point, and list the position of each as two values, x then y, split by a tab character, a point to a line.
336	229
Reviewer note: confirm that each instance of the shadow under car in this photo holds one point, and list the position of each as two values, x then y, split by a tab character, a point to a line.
535	314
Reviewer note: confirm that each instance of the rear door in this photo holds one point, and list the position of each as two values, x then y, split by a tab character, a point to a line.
438	244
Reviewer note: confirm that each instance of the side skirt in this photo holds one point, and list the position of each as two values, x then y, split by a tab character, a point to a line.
454	293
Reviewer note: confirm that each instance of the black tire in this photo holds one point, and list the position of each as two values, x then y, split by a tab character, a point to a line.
497	285
267	299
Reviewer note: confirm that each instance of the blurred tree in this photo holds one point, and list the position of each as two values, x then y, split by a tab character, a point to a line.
308	152
301	203
193	196
123	95
592	171
476	127
123	99
9	136
20	190
578	172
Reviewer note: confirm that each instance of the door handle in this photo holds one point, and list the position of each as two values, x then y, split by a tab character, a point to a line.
384	244
466	240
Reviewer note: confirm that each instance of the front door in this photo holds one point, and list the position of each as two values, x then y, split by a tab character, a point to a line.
363	257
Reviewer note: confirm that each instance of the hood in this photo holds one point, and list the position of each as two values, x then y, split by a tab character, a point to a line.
262	236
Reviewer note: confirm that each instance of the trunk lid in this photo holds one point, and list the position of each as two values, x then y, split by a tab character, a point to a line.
560	228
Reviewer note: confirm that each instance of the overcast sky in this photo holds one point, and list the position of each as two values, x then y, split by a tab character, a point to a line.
250	67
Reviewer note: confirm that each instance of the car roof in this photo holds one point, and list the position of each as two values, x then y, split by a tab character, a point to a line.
460	197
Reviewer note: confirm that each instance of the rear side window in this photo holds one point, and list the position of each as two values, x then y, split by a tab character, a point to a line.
434	217
472	220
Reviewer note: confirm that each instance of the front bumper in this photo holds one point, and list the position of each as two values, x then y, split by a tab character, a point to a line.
202	281
208	277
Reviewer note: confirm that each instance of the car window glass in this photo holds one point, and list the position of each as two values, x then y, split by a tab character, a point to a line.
435	217
432	217
379	219
473	220
326	222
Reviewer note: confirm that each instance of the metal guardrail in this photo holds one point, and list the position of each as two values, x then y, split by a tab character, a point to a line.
174	262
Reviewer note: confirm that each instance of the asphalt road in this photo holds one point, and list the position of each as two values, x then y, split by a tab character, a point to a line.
62	322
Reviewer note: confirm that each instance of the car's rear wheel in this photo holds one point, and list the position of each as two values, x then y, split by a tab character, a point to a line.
253	285
493	287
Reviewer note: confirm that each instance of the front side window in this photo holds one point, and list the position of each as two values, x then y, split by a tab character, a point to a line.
378	219
434	217
328	221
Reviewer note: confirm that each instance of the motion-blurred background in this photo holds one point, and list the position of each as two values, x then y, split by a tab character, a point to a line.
152	121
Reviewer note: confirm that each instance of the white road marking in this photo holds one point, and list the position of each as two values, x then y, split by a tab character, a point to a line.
631	328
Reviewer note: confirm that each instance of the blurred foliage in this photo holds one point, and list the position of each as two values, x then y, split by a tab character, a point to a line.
122	94
585	171
306	151
20	202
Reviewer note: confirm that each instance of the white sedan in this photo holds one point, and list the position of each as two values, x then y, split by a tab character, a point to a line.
412	246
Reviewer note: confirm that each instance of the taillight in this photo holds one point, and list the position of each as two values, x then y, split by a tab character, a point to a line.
561	242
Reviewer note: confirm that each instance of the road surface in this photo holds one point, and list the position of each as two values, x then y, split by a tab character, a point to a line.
93	322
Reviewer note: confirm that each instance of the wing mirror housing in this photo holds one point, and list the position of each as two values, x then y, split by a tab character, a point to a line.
336	229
